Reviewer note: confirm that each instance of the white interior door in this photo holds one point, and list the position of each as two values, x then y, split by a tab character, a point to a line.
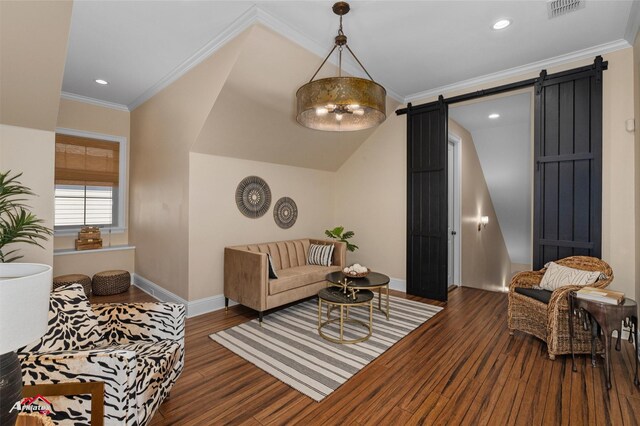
450	217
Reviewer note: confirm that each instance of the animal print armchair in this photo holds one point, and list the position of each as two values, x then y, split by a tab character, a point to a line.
136	349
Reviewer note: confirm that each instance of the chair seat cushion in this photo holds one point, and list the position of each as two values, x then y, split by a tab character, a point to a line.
299	276
538	294
155	361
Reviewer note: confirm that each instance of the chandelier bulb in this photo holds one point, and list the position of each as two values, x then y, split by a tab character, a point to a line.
339	117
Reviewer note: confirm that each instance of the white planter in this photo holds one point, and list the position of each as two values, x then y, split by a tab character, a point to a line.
24	303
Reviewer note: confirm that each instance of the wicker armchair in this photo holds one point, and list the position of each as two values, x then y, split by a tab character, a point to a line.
549	322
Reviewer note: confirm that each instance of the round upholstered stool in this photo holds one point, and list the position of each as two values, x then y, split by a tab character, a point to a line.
111	282
63	280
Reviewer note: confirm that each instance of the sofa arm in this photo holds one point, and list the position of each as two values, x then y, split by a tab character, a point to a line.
131	322
246	278
116	368
339	251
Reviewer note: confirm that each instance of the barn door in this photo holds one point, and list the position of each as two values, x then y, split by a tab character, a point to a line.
568	169
427	201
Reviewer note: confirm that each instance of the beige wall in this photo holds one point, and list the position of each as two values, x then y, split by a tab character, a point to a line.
33	50
163	129
619	193
484	258
89	263
371	198
636	91
31	152
216	222
107	121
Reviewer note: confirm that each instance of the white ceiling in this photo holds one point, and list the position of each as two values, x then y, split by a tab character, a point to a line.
504	149
411	47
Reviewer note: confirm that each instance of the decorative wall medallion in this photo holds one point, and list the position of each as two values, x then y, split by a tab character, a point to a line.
253	197
285	212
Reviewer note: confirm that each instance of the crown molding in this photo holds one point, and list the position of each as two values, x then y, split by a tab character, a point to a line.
93	101
633	24
511	72
243	22
253	15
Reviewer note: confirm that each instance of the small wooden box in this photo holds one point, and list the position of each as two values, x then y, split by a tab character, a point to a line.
88	243
89	235
89	232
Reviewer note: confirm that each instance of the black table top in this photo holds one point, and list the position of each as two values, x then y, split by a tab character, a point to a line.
335	295
373	279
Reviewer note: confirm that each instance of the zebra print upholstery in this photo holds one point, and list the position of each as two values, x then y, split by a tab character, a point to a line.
136	349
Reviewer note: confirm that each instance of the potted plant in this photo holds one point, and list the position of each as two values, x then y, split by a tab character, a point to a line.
343	236
24	287
17	223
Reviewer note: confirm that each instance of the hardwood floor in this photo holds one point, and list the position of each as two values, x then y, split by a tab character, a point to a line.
461	367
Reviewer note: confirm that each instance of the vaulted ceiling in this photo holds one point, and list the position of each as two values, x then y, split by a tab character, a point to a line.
412	47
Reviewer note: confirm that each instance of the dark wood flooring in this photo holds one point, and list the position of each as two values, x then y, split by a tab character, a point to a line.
461	367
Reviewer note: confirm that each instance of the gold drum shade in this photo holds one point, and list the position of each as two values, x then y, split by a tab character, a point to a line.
341	104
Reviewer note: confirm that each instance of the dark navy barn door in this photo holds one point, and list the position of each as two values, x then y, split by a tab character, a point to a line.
568	169
427	201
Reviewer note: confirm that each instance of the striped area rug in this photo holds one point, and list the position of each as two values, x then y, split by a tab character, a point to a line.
288	346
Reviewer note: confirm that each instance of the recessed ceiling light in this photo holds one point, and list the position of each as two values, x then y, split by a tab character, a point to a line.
100	81
494	116
501	24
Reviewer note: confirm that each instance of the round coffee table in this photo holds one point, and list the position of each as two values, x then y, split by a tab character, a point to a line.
334	297
374	280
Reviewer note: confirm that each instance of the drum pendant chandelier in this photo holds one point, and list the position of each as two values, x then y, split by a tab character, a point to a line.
341	103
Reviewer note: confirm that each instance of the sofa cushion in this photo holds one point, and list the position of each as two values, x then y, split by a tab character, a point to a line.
320	254
535	293
154	362
285	254
299	276
272	269
72	323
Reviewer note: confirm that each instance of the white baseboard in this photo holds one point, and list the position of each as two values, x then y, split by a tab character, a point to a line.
194	307
212	303
398	284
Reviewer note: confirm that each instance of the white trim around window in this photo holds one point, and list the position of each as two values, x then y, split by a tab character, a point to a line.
123	186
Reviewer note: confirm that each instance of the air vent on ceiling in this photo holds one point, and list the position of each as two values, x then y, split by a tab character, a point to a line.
556	8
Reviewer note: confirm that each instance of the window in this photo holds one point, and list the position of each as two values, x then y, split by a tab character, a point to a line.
88	183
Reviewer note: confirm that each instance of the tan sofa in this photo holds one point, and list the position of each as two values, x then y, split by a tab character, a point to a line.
246	273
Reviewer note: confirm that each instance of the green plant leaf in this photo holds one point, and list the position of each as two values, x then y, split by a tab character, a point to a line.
348	235
17	223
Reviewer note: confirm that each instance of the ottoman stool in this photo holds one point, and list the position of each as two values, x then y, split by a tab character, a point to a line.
111	282
63	280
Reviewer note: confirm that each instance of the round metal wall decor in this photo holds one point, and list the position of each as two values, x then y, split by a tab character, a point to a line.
285	212
253	197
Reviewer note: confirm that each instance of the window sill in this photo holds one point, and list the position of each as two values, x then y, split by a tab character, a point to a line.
64	252
74	232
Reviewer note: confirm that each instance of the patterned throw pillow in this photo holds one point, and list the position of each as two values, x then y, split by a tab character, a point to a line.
320	254
558	276
272	270
72	323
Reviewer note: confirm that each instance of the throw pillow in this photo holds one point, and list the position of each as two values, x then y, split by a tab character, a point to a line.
272	270
72	323
558	276
320	254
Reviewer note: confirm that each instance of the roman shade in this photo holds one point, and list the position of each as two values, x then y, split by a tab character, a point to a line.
86	161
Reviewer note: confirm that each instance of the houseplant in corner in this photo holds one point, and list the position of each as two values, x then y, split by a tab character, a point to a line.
17	223
24	289
341	235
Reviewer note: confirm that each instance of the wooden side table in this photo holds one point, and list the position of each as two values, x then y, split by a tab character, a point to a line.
603	319
96	389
